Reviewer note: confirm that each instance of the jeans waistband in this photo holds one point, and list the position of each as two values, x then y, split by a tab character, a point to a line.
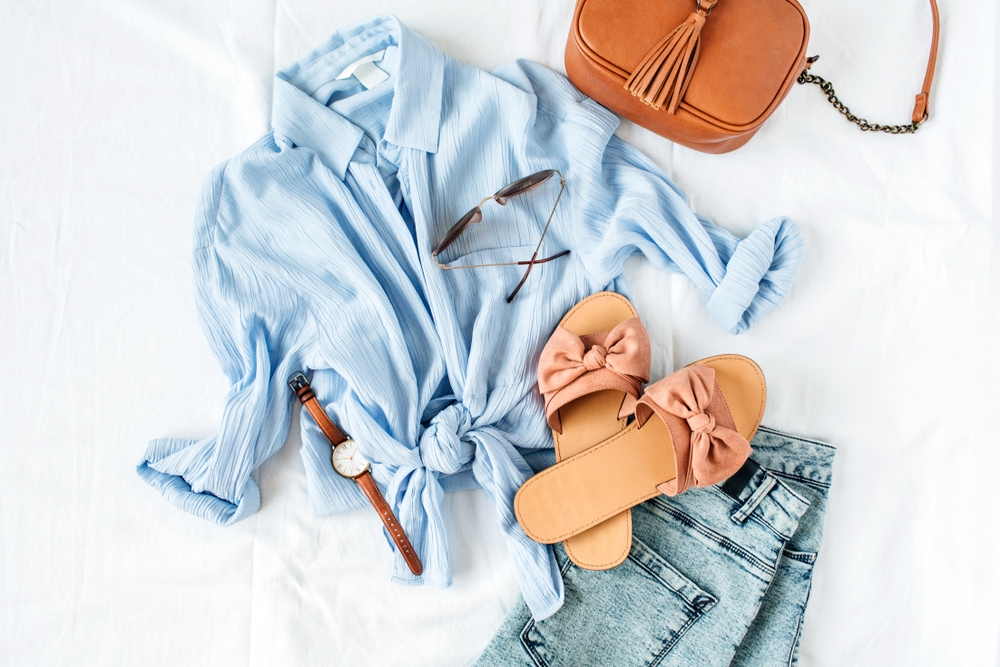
757	487
792	457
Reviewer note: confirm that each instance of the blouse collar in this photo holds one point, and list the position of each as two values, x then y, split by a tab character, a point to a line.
414	117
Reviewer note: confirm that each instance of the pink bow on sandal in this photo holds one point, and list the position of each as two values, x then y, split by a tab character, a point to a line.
707	447
706	414
572	365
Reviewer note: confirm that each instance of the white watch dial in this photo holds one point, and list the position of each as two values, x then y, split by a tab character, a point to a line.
347	459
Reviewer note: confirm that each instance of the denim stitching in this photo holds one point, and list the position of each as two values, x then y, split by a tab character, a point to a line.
691	608
795	644
754	517
796	478
694	614
529	646
793	656
720	540
795	493
668	645
765	524
807	557
753	502
824	445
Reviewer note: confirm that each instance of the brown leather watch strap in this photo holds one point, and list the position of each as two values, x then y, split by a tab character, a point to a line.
305	394
301	387
367	484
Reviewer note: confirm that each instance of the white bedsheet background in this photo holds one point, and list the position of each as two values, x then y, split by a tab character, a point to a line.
112	114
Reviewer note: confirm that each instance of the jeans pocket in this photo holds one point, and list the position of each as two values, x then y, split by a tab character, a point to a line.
632	614
777	628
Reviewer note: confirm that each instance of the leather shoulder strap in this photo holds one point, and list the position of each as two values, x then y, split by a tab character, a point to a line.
921	108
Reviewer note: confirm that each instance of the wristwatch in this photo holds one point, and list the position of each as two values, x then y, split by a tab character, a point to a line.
349	463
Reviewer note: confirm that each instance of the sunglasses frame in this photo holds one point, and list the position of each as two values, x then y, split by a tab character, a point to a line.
475	215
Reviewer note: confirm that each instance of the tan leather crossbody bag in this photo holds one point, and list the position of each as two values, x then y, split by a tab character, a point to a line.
703	73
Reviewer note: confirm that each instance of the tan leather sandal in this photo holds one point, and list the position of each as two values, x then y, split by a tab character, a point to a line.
591	374
691	429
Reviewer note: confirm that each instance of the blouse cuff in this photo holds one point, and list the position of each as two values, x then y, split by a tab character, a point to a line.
758	275
177	490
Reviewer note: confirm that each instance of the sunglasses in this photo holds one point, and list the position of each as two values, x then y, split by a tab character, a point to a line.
501	197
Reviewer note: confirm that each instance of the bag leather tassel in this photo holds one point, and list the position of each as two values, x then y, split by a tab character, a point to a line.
663	76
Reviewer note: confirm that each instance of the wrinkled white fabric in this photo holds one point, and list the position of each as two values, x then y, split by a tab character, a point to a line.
114	112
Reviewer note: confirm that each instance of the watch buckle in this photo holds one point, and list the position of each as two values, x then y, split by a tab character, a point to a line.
298	382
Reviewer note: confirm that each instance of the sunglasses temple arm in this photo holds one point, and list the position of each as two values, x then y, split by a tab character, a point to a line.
547	259
562	186
523	278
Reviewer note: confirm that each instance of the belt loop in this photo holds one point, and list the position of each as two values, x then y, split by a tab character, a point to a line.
747	508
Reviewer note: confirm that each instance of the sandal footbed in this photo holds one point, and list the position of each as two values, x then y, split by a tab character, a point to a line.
603	481
591	419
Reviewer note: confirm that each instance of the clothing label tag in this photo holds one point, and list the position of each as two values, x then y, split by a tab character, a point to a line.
369	75
366	71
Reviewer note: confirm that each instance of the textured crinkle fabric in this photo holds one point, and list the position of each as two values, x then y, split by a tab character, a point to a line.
312	253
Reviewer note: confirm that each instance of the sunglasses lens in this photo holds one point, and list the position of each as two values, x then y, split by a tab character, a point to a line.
475	215
523	185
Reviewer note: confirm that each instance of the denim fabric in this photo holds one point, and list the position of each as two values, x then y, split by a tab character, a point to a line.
710	580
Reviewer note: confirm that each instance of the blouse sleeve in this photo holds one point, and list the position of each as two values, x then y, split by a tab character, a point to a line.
623	205
240	311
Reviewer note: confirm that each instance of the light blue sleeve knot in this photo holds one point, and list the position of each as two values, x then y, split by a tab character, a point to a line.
453	442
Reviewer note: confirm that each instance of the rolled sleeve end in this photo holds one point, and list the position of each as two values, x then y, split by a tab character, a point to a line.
758	275
178	491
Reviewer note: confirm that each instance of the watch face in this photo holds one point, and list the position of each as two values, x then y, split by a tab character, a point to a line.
347	460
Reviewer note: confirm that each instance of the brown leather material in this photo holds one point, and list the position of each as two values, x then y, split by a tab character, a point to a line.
664	74
308	399
631	466
740	66
367	484
922	107
591	417
751	52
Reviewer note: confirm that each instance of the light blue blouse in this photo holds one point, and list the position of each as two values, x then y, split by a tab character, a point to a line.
313	252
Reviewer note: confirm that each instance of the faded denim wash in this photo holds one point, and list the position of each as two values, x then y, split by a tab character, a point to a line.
710	581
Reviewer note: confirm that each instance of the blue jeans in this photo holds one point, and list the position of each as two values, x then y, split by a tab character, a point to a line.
711	579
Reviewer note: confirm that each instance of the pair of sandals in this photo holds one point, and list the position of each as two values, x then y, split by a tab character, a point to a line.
690	429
